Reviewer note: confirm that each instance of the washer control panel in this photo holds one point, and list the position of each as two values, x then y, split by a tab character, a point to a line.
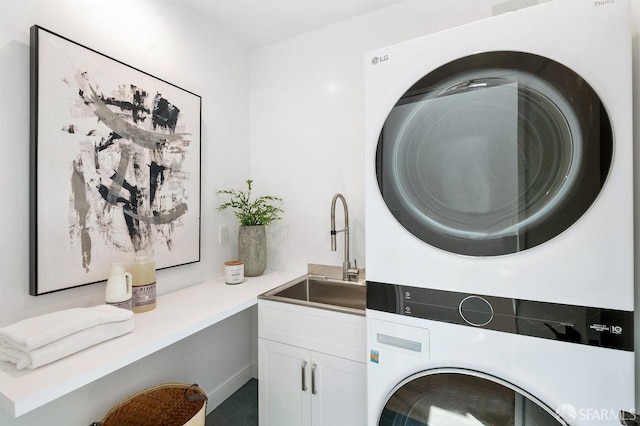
570	323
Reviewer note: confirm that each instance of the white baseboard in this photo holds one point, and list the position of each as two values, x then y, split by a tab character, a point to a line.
218	395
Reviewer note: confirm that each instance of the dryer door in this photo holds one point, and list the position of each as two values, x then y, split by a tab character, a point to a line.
464	398
494	153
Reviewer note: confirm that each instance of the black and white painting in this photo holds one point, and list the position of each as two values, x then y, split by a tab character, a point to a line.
115	158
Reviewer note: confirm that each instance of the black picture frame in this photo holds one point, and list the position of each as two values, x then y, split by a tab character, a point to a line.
115	166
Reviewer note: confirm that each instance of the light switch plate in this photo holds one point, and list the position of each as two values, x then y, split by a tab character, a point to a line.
223	234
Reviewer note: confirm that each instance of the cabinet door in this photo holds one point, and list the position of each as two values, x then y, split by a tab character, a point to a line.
338	391
284	384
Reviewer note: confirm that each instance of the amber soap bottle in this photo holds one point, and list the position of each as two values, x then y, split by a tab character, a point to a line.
143	272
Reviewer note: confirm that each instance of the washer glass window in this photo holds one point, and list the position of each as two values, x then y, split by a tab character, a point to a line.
463	398
494	153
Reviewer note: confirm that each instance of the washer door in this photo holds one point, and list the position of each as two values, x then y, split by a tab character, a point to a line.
446	397
494	153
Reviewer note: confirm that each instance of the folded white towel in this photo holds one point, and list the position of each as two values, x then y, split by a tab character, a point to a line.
66	346
35	332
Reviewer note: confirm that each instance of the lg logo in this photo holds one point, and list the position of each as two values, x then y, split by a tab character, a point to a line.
377	59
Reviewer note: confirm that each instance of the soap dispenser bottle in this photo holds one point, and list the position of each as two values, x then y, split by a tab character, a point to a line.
118	291
144	283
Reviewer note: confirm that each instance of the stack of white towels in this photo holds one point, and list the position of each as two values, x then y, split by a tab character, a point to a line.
41	340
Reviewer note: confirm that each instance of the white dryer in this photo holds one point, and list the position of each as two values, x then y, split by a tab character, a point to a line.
499	157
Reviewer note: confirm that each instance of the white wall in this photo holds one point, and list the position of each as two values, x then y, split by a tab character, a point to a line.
162	40
307	116
177	46
307	109
636	132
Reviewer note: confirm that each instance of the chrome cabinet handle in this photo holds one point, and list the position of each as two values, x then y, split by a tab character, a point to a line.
303	373
313	379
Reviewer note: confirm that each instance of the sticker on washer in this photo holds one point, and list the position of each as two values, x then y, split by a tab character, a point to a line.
599	327
374	357
614	329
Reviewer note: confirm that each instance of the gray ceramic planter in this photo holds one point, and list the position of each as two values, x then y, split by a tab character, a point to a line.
252	249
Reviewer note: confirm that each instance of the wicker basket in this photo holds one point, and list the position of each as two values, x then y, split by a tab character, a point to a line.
170	404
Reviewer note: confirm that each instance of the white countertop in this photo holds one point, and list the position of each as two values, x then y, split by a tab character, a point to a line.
178	315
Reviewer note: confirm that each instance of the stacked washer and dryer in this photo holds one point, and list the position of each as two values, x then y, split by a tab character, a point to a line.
499	236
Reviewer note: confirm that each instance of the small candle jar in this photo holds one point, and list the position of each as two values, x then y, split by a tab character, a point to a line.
234	272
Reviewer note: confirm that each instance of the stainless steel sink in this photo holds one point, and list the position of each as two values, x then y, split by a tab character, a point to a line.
324	293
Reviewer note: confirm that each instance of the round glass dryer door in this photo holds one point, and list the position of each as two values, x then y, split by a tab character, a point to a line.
494	153
447	397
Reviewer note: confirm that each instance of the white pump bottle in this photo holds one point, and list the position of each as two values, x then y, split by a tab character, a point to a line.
118	291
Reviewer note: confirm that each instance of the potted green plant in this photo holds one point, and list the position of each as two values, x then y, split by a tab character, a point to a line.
253	216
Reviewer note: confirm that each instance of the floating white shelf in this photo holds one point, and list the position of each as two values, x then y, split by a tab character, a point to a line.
178	315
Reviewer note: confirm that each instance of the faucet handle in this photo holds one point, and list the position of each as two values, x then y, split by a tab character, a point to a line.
353	272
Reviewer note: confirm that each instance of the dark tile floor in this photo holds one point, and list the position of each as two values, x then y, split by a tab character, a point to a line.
240	409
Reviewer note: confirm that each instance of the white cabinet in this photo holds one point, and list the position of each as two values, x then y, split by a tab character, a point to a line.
311	366
339	397
282	376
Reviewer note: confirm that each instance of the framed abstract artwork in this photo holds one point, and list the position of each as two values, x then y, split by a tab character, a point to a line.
115	166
